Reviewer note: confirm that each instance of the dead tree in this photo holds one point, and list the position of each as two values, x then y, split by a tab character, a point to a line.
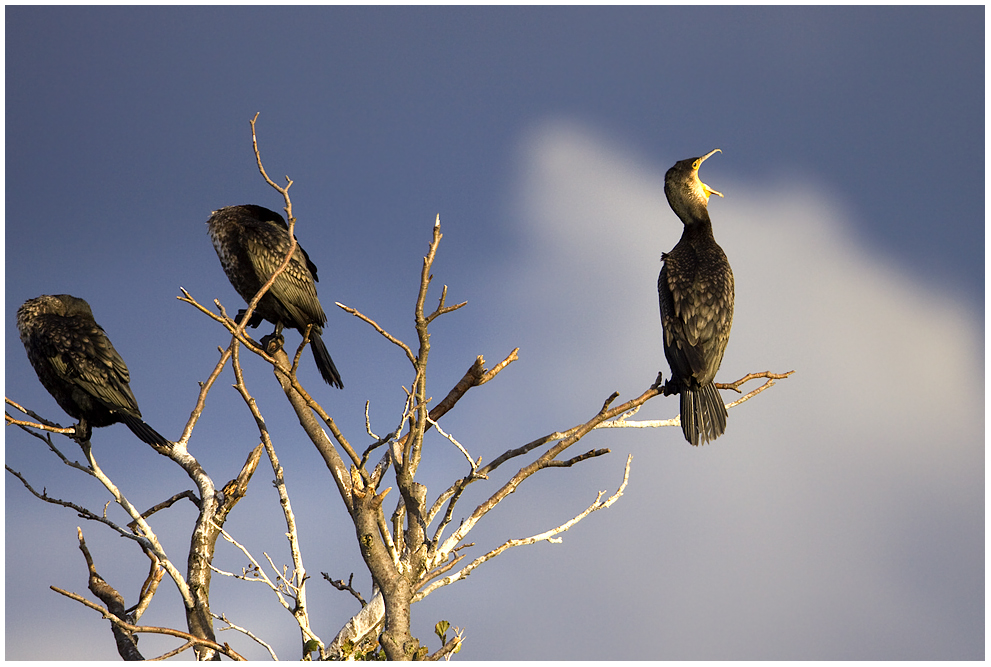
409	553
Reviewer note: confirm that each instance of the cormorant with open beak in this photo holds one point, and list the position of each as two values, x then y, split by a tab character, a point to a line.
696	294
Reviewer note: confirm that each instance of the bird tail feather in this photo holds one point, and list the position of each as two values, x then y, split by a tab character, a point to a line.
144	432
703	414
324	363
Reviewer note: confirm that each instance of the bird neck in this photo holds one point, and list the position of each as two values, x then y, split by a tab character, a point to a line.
697	225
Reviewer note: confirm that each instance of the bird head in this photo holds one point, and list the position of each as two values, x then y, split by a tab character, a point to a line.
55	304
686	193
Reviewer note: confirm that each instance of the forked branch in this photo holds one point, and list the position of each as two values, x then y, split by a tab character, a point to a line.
549	535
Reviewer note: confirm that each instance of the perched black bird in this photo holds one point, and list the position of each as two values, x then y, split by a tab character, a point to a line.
251	242
79	366
696	294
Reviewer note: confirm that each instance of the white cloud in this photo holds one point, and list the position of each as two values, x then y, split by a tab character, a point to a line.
835	517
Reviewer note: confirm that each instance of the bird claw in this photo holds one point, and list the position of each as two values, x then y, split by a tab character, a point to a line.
666	388
82	432
273	342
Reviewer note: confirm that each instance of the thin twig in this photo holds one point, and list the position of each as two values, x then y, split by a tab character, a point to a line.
83	512
554	463
174	652
47	439
166	504
246	632
392	339
299	350
261	168
474	464
261	576
41	427
549	535
449	648
368	424
735	386
622	420
341	586
150	586
606	412
47	425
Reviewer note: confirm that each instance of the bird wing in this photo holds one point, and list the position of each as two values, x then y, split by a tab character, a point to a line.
682	354
268	217
696	314
81	354
294	288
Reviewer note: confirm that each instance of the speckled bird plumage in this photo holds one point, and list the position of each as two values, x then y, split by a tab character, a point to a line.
251	242
696	292
78	365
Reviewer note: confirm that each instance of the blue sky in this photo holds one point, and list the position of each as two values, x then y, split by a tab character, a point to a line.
842	514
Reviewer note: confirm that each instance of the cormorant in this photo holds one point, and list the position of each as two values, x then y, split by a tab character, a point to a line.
251	242
696	295
79	366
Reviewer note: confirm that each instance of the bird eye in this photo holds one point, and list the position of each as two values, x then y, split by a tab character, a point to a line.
696	164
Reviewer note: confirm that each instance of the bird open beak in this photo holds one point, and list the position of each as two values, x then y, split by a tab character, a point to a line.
708	191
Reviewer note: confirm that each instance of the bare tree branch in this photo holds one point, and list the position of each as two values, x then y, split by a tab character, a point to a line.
544	461
247	633
148	589
198	641
449	648
165	504
548	535
341	586
735	386
127	644
83	512
192	589
283	191
392	339
174	652
473	464
42	425
47	439
146	537
622	421
298	582
239	329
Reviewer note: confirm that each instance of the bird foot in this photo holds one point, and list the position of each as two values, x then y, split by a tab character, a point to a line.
668	388
659	381
273	342
83	432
